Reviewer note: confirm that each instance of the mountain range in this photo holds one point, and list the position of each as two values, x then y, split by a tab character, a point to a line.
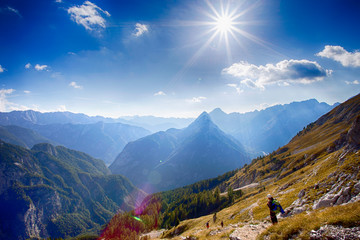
259	131
58	192
175	158
266	130
101	140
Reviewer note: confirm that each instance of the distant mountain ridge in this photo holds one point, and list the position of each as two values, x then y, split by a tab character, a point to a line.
30	117
99	139
268	129
57	192
175	158
259	131
23	137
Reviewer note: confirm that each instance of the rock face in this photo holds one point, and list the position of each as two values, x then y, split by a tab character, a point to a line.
56	192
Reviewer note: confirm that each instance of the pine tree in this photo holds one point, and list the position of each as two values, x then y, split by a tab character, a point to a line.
230	194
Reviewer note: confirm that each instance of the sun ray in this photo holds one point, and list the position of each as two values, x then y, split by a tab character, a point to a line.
224	24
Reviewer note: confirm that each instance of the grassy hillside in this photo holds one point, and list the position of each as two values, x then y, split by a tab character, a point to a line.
315	176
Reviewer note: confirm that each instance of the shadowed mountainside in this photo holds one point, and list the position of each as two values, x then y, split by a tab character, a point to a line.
57	192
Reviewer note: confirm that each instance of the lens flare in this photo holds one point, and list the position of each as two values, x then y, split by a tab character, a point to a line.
137	218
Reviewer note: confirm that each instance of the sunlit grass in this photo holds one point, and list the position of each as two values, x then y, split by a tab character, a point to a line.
301	225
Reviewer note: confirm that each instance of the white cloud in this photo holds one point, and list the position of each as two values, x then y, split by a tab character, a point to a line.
196	99
28	66
355	82
4	103
27	91
40	67
88	15
58	1
2	69
160	93
339	54
75	85
283	73
140	29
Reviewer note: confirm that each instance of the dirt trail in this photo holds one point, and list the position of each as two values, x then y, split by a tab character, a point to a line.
240	231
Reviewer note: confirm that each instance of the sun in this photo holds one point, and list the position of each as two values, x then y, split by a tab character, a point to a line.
224	21
224	24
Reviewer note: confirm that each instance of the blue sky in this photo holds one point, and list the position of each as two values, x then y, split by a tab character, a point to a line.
176	57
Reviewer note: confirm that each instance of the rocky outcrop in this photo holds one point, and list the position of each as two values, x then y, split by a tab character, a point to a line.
342	188
335	232
342	191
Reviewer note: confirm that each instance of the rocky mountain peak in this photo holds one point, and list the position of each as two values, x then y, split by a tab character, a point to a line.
203	120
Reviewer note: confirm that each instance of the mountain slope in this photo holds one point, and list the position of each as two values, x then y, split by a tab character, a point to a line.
268	129
57	192
178	157
21	136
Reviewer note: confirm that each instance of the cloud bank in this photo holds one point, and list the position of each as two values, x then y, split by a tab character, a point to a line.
283	73
88	15
339	54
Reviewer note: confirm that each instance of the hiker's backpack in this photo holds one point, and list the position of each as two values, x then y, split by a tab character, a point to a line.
275	205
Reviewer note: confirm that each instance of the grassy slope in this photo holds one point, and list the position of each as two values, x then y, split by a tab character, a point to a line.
315	157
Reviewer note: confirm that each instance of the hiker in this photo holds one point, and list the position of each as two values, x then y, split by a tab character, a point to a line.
207	225
214	217
275	208
222	224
